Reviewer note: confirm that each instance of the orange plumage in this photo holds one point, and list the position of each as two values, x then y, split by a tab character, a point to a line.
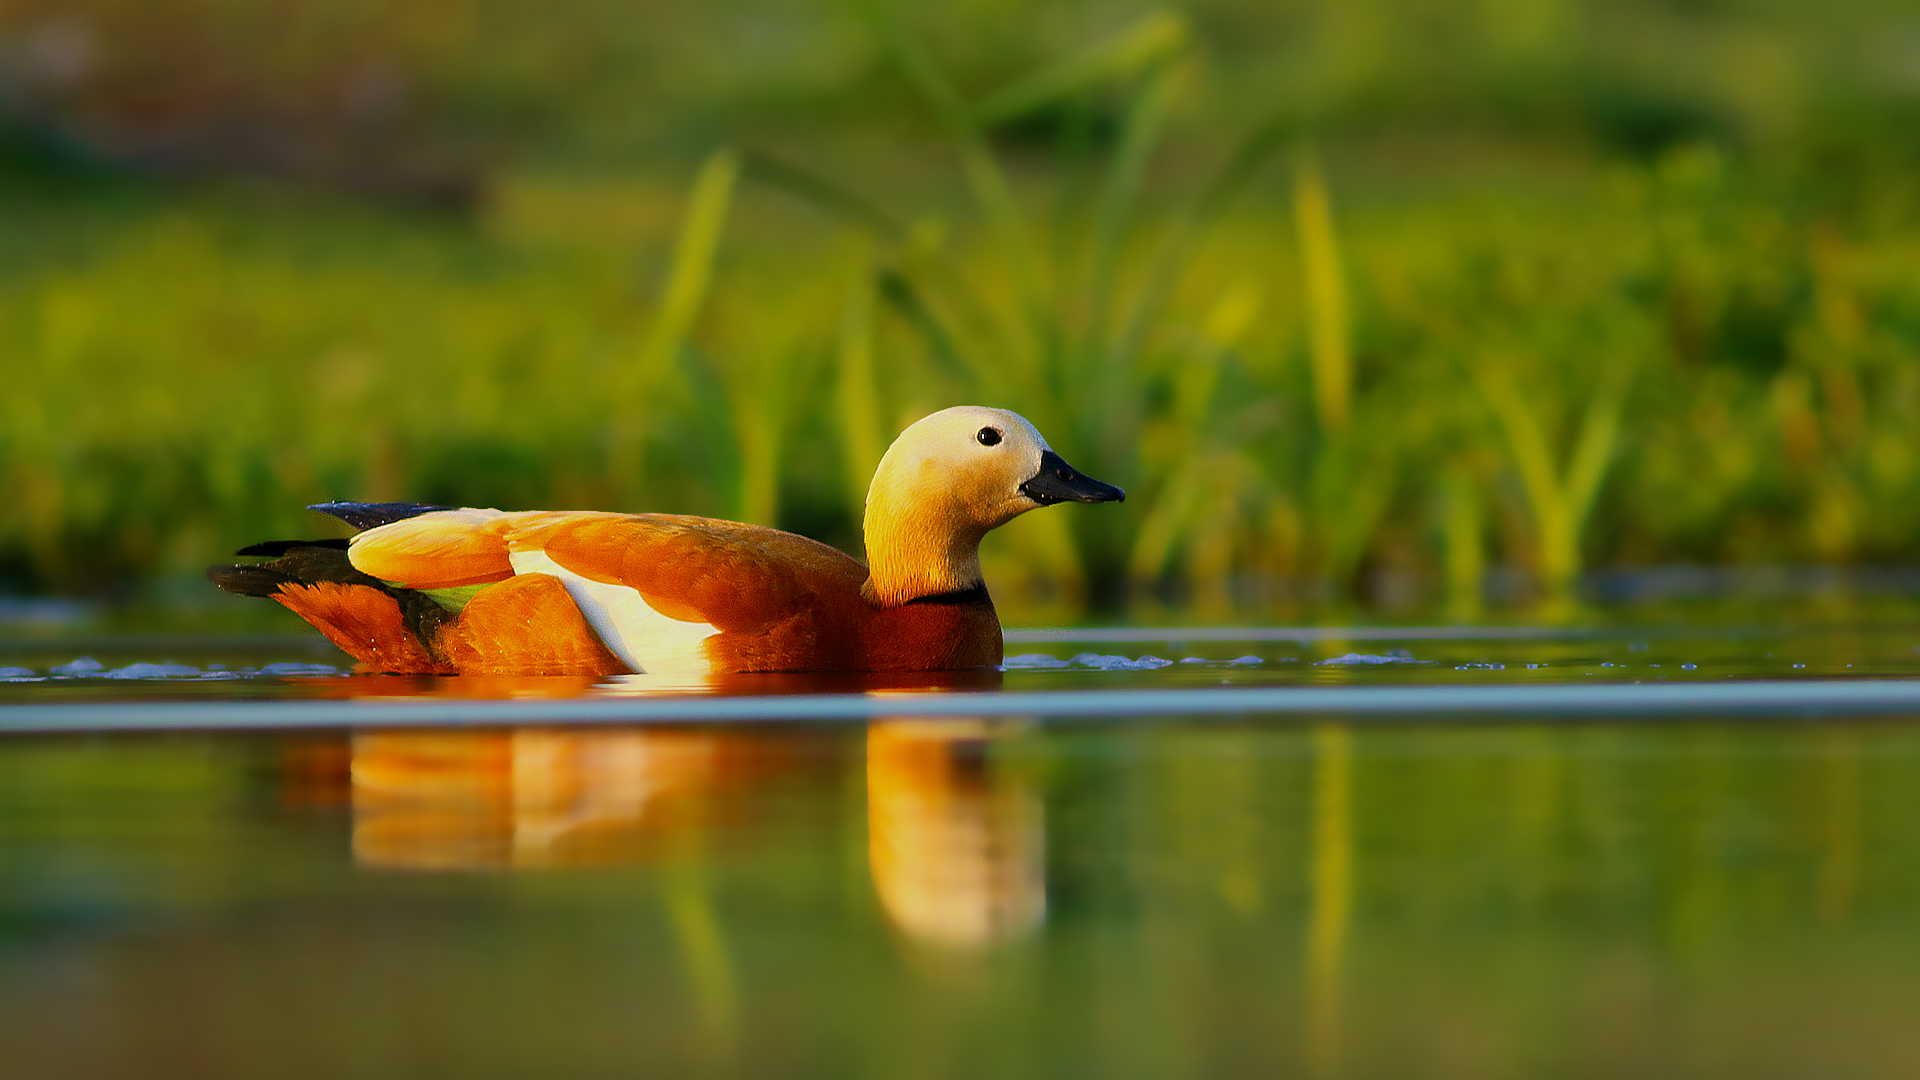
432	590
523	626
362	622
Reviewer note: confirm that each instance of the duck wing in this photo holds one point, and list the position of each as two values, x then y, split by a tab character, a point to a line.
661	588
442	549
656	588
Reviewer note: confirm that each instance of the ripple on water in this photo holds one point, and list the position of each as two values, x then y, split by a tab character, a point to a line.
1102	662
154	671
1391	656
86	667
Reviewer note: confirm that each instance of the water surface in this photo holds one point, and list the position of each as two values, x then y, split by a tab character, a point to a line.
1172	895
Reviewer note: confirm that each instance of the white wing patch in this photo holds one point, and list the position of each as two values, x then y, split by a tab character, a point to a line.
649	642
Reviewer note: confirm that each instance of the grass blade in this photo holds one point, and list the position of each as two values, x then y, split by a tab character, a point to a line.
693	258
1560	502
686	289
1463	553
1327	327
905	299
857	396
1599	431
1142	45
818	191
985	178
1145	121
1177	242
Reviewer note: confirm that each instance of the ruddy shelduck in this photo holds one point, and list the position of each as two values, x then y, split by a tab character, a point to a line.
429	589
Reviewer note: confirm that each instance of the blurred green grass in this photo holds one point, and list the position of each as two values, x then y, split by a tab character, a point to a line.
1341	294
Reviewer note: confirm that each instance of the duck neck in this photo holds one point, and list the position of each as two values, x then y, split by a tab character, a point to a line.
911	557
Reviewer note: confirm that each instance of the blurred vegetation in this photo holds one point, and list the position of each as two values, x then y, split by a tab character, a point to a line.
1375	302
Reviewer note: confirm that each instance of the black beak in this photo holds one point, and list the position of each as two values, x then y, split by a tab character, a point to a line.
1058	481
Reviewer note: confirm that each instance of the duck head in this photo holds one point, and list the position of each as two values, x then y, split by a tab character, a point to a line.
945	483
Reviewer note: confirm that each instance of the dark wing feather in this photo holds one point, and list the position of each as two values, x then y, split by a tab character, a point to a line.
257	580
302	562
272	548
365	515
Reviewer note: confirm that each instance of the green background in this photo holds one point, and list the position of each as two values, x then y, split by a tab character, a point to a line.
1401	303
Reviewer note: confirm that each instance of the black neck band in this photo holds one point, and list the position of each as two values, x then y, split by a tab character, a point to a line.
976	594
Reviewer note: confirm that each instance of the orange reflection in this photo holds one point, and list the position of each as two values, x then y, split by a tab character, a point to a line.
539	687
533	797
315	772
957	847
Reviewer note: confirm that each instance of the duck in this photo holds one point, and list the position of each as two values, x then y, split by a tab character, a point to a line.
436	590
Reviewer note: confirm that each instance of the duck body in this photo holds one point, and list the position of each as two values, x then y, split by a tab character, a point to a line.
445	591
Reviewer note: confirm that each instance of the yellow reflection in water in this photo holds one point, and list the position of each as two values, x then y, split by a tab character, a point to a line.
709	962
1839	874
957	848
1331	876
532	797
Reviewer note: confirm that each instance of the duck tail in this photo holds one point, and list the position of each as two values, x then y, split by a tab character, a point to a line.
383	627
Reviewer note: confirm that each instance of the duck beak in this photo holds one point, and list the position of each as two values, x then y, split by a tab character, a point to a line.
1058	481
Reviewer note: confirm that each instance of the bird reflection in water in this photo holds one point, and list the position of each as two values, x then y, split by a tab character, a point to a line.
530	797
957	845
956	841
551	687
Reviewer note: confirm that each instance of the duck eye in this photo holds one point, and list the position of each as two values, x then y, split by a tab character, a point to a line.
989	436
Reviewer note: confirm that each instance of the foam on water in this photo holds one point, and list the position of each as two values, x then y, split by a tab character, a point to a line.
136	670
1099	662
1034	662
1391	656
283	670
86	667
154	671
1102	662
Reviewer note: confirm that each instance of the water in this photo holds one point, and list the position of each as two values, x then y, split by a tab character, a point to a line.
465	879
